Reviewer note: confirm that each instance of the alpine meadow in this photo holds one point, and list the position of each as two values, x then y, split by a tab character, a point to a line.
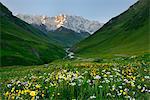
74	57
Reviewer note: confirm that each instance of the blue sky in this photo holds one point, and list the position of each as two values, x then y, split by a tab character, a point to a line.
100	10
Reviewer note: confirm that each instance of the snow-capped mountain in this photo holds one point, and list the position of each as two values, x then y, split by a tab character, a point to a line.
75	23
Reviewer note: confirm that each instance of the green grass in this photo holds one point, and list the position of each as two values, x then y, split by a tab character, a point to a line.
126	34
67	37
22	44
80	80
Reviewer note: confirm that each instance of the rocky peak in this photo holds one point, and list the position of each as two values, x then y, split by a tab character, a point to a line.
43	19
59	20
75	23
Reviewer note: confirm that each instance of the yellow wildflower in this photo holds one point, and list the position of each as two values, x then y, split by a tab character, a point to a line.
12	90
105	75
13	97
121	91
143	79
113	89
124	93
42	95
33	98
28	91
22	92
19	92
134	78
56	77
142	90
7	93
38	86
32	93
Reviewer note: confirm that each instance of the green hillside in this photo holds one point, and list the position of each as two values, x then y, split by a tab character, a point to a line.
22	44
67	37
126	34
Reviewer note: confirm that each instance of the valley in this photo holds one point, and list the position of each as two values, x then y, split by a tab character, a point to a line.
68	57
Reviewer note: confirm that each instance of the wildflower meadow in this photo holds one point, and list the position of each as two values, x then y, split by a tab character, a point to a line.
108	79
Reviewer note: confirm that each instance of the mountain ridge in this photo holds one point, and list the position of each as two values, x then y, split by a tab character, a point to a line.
51	26
75	23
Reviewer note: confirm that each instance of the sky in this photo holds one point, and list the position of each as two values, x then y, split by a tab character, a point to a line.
99	10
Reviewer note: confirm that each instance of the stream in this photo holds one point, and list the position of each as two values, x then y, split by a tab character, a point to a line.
69	54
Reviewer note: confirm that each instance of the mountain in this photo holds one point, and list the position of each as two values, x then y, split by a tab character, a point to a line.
126	34
67	37
22	44
65	30
75	23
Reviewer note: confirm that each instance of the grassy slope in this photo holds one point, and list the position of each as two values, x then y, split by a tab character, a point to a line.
67	37
21	44
125	34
